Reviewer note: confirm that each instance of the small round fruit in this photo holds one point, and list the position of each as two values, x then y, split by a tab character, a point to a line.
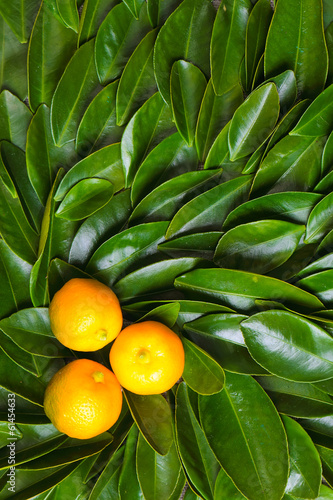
147	358
83	399
85	315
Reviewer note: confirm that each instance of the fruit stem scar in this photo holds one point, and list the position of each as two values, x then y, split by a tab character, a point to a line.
144	356
102	334
98	376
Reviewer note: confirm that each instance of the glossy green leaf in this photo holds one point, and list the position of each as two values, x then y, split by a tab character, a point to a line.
15	117
98	126
256	33
296	41
227	44
290	206
164	201
159	10
329	44
20	15
233	421
325	493
152	415
323	425
107	484
51	47
305	468
166	314
317	121
125	251
137	82
75	89
320	220
158	277
326	456
116	39
21	357
208	210
287	89
93	13
85	198
43	157
185	35
321	264
199	461
239	289
292	165
98	227
150	125
253	121
134	6
259	75
169	158
196	244
225	488
221	336
158	475
201	373
129	486
103	164
258	246
321	284
215	112
69	13
289	346
325	184
187	84
13	57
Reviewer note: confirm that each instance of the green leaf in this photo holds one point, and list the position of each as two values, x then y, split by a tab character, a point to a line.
287	89
258	246
137	82
117	37
51	47
326	456
256	33
220	335
241	411
14	119
69	14
85	198
185	35
107	484
305	468
188	85
227	44
166	314
290	206
154	278
199	461
296	41
134	6
214	114
19	15
196	244
158	475
317	121
329	44
320	220
98	227
21	357
253	121
239	289
129	486
321	264
164	201
13	57
201	373
325	493
289	346
150	125
283	168
98	126
225	488
93	13
75	89
321	284
159	10
125	250
103	164
152	415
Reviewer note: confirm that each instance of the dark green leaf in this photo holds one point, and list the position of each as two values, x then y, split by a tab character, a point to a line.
196	244
185	35
93	13
321	284
227	44
225	488
74	91
20	15
287	89
51	47
69	13
317	119
106	486
199	461
296	41
21	357
233	421
326	456
159	10
253	121
329	44
137	82
129	486
320	220
14	119
116	39
166	314
152	415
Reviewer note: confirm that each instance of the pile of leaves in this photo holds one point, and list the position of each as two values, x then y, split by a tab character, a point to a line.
182	155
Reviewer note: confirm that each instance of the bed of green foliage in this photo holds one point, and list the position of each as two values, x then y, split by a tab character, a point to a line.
182	155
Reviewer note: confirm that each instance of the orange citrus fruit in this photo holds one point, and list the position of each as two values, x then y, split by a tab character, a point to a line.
83	399
85	315
147	358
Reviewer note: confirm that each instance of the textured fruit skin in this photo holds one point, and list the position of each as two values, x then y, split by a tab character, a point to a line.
80	406
85	315
147	358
